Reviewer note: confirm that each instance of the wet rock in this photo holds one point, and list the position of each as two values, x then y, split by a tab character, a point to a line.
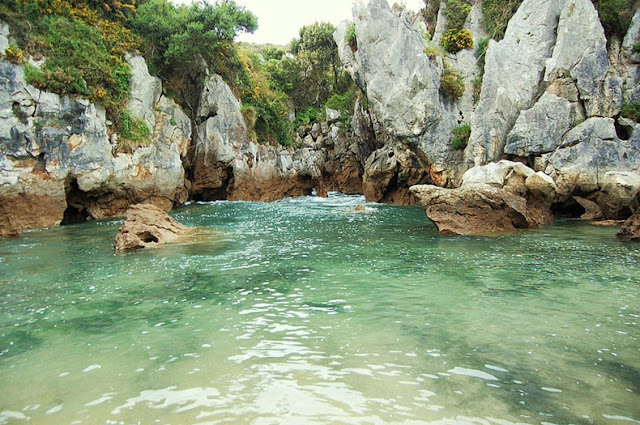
495	198
631	228
147	226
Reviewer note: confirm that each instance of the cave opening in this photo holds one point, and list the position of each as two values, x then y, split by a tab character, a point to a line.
76	211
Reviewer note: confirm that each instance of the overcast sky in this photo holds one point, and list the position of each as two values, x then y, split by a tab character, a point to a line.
280	20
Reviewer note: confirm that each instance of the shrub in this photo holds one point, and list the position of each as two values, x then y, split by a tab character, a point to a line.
481	53
433	51
635	47
451	84
615	16
250	116
460	136
350	37
477	89
133	132
631	110
455	40
456	12
14	54
308	116
496	15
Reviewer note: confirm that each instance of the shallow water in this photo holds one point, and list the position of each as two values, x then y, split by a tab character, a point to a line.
307	312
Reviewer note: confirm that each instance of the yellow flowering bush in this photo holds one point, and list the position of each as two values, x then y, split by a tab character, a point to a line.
455	40
451	83
14	54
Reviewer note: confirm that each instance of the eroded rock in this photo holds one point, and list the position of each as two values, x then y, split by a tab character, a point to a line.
147	226
630	230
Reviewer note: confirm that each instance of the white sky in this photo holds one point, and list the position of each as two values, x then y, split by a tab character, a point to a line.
280	20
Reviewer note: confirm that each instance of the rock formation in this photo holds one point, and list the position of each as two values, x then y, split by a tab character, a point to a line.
147	226
630	229
496	198
59	162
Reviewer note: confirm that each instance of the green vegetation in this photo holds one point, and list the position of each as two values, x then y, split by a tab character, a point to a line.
84	45
615	16
430	15
433	51
456	12
477	89
181	43
85	42
454	40
631	110
350	37
496	15
481	53
134	132
460	136
635	47
451	83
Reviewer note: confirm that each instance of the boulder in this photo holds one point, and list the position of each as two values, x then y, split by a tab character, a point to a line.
630	230
147	226
477	210
618	197
494	198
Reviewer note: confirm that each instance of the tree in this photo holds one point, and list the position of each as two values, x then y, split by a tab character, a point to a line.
321	69
183	43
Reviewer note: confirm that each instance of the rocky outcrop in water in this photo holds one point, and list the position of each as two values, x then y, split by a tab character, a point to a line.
147	226
60	159
496	198
630	229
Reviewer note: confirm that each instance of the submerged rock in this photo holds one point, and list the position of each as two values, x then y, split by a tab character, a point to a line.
631	228
147	226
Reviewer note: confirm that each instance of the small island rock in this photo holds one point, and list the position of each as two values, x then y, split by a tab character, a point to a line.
147	226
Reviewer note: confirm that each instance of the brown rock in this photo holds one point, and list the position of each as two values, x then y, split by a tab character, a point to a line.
361	208
630	230
607	223
592	211
148	226
479	210
44	206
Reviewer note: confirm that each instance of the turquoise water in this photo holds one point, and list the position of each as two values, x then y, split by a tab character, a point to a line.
307	312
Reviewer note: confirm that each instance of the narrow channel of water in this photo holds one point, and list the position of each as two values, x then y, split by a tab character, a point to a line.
307	312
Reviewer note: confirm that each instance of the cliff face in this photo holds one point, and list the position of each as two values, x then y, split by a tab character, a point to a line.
551	96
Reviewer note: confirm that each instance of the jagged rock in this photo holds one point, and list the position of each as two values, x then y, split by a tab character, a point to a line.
497	197
148	226
216	99
220	139
630	230
540	129
592	210
513	71
4	37
333	115
581	52
402	85
587	153
631	61
618	197
145	91
477	210
57	161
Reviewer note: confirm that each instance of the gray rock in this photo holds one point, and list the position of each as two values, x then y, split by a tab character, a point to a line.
217	99
4	37
333	115
145	91
540	129
514	68
587	153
